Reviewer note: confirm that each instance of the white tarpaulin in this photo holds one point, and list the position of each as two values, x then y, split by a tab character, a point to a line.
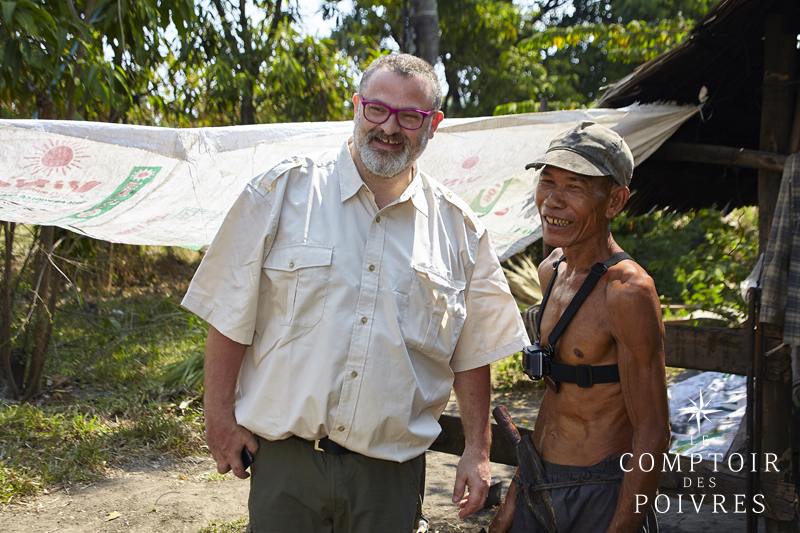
706	412
162	186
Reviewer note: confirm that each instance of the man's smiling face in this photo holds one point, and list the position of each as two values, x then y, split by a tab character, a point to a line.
574	208
387	149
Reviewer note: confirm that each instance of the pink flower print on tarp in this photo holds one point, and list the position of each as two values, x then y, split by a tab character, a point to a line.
136	180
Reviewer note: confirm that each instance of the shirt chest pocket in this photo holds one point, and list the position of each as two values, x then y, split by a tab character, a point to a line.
434	313
299	276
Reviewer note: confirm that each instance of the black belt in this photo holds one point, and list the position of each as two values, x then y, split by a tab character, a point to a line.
326	445
584	375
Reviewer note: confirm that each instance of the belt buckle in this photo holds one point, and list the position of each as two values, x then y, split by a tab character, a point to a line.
584	377
316	446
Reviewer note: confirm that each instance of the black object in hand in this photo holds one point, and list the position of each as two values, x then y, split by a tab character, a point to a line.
247	458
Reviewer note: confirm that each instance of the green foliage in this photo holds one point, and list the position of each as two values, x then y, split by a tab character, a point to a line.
81	59
500	57
634	42
532	106
483	66
722	260
187	374
124	341
697	259
507	375
244	66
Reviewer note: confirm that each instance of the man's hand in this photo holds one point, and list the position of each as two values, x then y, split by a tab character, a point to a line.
472	390
225	440
473	472
225	437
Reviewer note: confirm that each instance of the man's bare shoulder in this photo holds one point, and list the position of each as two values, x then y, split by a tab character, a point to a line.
629	283
632	303
546	267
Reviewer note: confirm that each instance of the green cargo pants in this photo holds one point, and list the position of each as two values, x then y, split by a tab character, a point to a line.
296	489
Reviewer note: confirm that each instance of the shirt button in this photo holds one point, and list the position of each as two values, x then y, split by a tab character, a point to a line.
291	264
372	268
377	219
340	428
354	374
363	320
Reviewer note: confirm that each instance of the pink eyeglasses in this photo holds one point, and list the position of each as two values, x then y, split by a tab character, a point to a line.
409	119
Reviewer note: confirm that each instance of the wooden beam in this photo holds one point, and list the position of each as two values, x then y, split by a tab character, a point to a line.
451	440
720	155
706	348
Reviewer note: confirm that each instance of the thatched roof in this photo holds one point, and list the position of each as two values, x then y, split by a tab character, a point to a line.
724	54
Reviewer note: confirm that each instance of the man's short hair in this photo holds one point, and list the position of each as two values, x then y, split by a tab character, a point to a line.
408	66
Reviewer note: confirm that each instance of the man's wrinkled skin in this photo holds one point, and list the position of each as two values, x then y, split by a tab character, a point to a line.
619	322
381	144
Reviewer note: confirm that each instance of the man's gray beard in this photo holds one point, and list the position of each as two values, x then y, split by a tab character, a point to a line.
383	163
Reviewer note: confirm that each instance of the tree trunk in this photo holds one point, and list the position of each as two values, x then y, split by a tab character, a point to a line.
424	30
43	327
5	303
110	268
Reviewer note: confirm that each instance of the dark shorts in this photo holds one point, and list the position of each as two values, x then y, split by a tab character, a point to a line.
294	488
587	505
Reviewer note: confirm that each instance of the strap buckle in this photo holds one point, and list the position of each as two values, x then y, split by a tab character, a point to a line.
583	376
599	269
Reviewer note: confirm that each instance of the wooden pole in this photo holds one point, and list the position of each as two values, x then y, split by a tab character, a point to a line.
776	123
776	114
794	142
721	155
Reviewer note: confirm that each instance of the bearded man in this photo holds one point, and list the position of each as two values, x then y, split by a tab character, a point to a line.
347	293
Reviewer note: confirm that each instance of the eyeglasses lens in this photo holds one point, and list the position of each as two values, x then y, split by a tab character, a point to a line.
379	114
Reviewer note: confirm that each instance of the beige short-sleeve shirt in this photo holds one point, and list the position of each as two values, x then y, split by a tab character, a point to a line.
356	317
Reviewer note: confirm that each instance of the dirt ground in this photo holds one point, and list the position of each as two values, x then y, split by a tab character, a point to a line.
184	496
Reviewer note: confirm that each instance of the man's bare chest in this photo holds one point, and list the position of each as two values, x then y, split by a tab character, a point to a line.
587	339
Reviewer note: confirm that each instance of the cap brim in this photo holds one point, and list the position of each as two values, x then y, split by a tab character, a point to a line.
569	160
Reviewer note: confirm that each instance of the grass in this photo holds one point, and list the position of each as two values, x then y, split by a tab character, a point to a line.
106	399
215	476
46	445
234	526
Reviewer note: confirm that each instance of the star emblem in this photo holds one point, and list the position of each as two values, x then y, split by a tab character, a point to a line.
698	411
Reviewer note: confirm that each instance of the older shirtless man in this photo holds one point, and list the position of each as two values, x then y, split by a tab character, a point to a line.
591	416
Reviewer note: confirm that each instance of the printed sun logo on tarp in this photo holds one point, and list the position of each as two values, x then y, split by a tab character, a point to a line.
56	157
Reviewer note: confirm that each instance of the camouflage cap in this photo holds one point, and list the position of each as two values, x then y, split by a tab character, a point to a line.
592	150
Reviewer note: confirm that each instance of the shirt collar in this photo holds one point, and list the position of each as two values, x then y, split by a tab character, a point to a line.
350	181
416	191
349	178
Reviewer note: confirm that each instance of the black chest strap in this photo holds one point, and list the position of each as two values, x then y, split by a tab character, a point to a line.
583	375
